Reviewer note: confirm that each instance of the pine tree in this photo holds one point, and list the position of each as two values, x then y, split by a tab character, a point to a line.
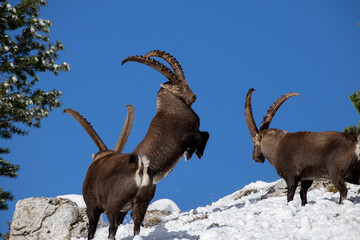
25	51
355	99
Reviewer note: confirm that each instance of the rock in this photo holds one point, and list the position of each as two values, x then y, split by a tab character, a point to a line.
159	210
280	188
43	218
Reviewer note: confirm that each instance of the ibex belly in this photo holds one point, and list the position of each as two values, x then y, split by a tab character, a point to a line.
127	207
162	174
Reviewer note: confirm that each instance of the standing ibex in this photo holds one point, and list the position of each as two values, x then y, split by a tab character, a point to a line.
103	155
305	156
118	183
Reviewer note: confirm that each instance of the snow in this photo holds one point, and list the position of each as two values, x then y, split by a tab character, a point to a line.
165	205
249	216
76	198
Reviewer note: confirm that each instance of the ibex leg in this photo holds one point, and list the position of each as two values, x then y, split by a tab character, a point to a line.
93	216
341	187
121	218
204	136
291	185
305	185
142	200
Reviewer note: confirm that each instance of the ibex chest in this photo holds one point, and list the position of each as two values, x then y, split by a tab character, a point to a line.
152	171
163	172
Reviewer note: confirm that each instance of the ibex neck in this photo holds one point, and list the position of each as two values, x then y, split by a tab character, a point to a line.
271	138
168	102
168	136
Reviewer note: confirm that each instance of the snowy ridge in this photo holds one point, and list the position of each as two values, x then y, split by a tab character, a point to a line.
246	215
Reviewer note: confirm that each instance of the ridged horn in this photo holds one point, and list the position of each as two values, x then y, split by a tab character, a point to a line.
119	147
154	64
179	73
272	110
249	115
88	128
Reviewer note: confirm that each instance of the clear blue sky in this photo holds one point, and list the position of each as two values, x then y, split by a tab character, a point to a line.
225	48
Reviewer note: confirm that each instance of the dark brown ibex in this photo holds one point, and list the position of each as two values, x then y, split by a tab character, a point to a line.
118	183
305	156
103	155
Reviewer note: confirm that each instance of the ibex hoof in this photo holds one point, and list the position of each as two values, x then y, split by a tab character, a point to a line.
187	156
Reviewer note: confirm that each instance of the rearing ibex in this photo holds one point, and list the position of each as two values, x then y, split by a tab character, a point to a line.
305	156
120	182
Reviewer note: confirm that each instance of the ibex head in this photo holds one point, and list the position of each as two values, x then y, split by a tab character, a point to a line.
259	135
177	84
103	150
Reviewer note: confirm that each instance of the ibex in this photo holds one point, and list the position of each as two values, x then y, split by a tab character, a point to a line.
102	156
118	183
305	156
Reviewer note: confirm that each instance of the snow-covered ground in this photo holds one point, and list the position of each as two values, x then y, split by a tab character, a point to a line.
245	215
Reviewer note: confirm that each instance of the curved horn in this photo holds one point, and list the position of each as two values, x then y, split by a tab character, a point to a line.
271	112
179	73
119	147
88	128
156	65
249	115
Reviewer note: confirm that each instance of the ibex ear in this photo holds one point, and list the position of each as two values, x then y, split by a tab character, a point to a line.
166	86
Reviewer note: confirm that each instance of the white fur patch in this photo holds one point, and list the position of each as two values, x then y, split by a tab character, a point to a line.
145	161
185	156
145	179
137	174
357	148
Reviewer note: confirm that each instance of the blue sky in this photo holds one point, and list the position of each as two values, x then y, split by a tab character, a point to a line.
225	48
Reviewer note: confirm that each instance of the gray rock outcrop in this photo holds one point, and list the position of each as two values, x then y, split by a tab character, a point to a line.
43	218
